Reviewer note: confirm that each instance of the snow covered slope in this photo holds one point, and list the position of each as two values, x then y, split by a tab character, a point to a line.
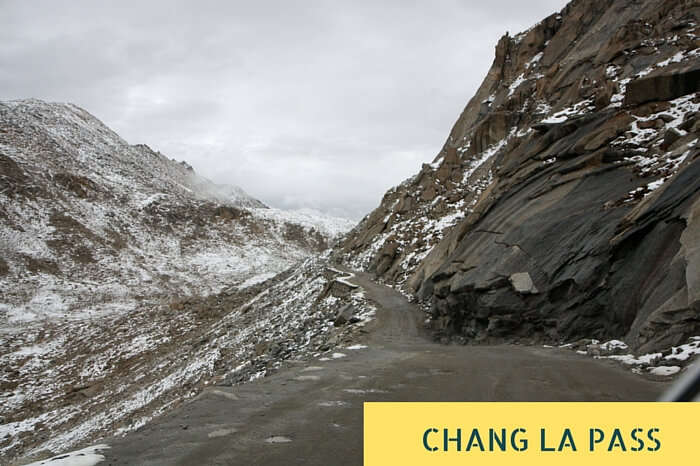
68	383
107	253
89	223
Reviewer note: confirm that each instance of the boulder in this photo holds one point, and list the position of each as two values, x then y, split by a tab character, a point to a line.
648	124
522	283
345	314
670	136
339	288
593	350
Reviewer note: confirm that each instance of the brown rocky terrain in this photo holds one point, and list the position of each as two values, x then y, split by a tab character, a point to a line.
79	204
128	282
564	203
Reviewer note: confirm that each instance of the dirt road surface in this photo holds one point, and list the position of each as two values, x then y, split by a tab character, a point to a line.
311	413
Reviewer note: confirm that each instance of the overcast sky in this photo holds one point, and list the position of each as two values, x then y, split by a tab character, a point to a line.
321	104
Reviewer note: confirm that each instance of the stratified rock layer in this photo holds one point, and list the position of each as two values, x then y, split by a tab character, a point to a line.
564	203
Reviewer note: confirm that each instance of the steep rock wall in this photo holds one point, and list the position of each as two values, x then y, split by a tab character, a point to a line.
564	201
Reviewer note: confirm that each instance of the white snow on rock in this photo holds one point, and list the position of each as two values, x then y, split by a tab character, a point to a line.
686	351
254	280
86	457
516	83
659	363
664	371
631	360
356	347
648	157
678	57
142	223
424	222
613	345
572	111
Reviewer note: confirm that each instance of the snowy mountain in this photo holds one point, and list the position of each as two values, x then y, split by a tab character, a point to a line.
86	214
107	252
570	180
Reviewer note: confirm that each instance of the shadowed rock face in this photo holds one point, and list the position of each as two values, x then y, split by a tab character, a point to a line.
565	201
596	271
664	86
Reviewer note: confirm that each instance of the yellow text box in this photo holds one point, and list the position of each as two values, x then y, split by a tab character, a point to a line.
530	433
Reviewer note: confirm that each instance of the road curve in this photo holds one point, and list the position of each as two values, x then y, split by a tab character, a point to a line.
310	413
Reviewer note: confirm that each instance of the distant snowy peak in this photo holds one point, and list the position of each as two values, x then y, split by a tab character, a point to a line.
331	227
202	187
226	194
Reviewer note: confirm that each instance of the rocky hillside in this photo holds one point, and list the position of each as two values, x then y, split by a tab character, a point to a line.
89	223
126	368
565	202
128	282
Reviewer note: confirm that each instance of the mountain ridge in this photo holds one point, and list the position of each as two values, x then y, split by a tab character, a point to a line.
600	101
128	282
88	194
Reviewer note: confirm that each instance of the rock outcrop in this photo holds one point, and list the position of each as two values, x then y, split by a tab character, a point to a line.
564	203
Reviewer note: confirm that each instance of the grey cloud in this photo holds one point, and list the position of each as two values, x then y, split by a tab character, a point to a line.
319	104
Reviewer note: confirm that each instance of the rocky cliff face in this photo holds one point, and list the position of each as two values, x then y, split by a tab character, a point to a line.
565	202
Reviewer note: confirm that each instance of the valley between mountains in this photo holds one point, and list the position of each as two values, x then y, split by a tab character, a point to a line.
550	251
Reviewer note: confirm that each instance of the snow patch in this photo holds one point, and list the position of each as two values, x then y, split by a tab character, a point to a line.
572	111
356	347
86	457
664	371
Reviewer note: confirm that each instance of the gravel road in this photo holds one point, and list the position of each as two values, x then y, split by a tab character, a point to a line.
311	413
